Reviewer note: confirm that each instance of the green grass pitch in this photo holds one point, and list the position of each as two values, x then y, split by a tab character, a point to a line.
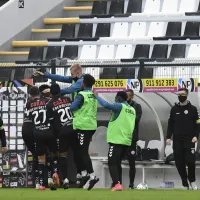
97	194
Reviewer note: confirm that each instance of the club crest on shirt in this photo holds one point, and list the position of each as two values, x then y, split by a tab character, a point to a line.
186	112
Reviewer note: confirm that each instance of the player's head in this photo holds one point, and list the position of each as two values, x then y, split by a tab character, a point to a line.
88	81
55	89
34	91
183	94
121	97
76	71
130	94
45	91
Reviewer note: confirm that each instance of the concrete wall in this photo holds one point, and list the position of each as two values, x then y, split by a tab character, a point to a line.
16	23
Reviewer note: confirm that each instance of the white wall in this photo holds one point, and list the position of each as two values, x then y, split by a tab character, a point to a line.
13	19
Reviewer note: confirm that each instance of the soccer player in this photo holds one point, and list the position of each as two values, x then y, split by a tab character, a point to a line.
58	109
76	79
119	134
42	130
184	126
45	91
27	135
2	137
84	109
132	150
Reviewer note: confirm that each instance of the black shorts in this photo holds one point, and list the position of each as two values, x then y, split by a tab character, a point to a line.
27	135
131	151
65	137
45	141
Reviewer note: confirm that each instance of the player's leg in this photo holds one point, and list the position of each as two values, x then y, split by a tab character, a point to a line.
114	162
51	142
27	135
131	160
74	143
41	150
64	140
179	156
88	172
190	162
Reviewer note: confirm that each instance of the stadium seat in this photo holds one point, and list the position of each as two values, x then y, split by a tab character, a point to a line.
159	51
152	6
170	6
156	29
88	52
116	7
141	144
85	30
36	53
19	74
177	51
188	6
173	29
124	51
109	73
53	52
120	29
106	52
194	51
68	31
138	29
99	7
169	149
126	73
145	73
70	52
5	74
162	72
94	71
192	29
141	51
134	6
103	30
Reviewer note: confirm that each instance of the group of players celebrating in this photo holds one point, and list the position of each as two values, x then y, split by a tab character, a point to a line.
53	122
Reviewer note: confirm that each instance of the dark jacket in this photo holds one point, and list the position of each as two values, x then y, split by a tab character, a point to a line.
2	134
184	122
138	110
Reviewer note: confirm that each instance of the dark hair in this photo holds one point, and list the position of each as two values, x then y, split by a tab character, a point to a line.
131	91
55	89
184	89
123	95
34	91
44	87
88	80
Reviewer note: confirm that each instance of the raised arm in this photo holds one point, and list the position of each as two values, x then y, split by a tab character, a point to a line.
55	77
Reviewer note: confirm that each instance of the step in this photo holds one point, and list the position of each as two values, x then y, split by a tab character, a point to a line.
74	20
13	53
7	64
78	8
36	43
53	30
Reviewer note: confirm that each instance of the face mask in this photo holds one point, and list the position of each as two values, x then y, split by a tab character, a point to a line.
118	99
182	98
75	79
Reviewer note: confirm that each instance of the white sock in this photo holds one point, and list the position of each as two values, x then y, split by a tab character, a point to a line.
92	176
84	173
78	176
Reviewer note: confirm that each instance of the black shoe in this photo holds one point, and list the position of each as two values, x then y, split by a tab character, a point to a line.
66	186
92	183
53	187
83	181
131	186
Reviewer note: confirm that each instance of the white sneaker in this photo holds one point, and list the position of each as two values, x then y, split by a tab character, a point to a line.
66	184
50	182
193	186
37	186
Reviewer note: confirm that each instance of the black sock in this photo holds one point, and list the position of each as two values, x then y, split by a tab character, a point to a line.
35	170
41	167
63	167
49	166
55	165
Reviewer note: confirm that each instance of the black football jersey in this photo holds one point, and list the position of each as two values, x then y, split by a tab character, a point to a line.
36	111
58	109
